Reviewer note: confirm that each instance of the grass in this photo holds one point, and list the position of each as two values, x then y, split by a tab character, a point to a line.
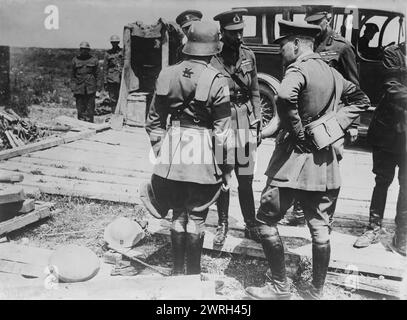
80	214
42	77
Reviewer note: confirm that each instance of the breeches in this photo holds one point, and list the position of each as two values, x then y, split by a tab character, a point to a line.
319	208
85	105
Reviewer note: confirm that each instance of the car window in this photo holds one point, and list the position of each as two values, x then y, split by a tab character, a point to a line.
299	17
338	23
278	17
391	33
249	26
369	46
379	21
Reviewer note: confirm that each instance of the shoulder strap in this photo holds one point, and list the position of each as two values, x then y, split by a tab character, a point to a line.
332	98
236	79
204	84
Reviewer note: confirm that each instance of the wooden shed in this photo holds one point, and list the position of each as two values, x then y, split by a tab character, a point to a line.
147	49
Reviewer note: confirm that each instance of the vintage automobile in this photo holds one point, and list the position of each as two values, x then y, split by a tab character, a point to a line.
261	28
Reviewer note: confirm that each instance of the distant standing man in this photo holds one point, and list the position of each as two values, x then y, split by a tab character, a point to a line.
112	68
309	90
193	151
85	74
238	64
184	20
388	135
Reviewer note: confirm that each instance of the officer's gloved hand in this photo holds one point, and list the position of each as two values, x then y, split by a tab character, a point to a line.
303	144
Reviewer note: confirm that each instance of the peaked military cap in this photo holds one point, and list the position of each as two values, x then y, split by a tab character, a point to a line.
316	12
185	18
232	19
371	26
289	28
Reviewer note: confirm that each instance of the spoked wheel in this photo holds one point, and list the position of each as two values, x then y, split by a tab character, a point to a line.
267	103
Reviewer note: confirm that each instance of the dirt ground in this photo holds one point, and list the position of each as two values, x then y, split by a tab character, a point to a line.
93	216
50	97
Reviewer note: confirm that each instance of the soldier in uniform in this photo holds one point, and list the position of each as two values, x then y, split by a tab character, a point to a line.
338	53
184	20
85	74
238	64
388	135
309	90
112	68
332	47
193	153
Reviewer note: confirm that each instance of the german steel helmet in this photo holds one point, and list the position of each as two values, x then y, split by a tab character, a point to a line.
114	38
203	39
84	44
73	263
123	233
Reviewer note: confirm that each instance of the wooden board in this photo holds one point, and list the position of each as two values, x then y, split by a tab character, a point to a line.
375	260
48	143
123	288
359	282
40	212
65	120
11	194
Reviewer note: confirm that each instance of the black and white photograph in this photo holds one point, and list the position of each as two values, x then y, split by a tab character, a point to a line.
210	153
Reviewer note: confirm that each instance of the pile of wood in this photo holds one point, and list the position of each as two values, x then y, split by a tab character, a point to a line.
16	131
13	201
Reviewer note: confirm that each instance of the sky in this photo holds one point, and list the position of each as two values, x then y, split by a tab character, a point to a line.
23	23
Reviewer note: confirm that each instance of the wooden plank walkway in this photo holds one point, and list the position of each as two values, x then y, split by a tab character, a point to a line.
110	165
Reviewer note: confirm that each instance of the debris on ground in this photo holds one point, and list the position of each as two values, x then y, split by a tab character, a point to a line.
16	131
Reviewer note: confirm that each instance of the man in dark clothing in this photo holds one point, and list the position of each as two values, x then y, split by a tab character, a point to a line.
112	68
298	170
387	134
184	20
85	74
363	44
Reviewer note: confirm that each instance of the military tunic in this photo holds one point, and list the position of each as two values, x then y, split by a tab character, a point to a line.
85	74
305	90
245	102
185	151
340	54
112	67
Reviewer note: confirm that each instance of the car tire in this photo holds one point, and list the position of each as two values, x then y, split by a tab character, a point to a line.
267	102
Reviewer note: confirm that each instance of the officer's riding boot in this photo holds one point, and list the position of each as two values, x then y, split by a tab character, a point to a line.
178	240
222	205
321	254
194	245
278	287
246	201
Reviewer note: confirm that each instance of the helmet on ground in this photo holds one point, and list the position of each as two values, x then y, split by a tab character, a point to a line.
73	263
123	233
203	39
